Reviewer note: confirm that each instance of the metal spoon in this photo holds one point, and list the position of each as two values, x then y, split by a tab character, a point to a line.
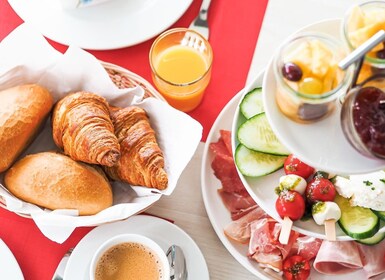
178	269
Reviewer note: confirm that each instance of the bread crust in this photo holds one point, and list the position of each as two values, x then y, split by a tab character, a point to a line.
22	111
55	181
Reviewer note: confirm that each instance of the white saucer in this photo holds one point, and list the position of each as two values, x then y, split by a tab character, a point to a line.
163	232
110	25
218	214
321	144
9	268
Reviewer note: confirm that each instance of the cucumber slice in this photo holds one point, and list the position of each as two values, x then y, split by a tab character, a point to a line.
256	134
251	103
357	222
255	164
377	238
380	214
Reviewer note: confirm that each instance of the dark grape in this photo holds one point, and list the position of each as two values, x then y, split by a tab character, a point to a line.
292	71
381	54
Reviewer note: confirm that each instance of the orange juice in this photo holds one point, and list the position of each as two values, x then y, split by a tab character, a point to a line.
180	72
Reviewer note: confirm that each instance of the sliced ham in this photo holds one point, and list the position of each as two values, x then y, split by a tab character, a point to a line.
264	246
226	137
373	259
225	170
219	148
306	246
239	230
338	257
238	204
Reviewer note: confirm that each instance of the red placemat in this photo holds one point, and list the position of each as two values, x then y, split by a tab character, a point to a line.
234	29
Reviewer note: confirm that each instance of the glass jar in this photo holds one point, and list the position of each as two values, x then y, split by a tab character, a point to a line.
359	24
363	117
312	95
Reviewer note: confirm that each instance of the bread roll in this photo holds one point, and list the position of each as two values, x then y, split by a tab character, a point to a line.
56	181
22	111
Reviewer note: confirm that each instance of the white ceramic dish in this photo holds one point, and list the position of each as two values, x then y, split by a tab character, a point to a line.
321	144
162	232
218	214
9	268
110	25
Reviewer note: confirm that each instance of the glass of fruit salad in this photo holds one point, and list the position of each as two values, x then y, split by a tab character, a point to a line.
360	23
363	117
309	80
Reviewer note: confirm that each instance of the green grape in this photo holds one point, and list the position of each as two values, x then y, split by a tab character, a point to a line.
311	85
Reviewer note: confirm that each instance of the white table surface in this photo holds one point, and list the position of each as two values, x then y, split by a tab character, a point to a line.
185	206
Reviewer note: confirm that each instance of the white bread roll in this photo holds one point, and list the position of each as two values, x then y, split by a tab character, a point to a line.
22	111
56	181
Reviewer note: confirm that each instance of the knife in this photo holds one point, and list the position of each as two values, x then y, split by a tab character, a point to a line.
59	272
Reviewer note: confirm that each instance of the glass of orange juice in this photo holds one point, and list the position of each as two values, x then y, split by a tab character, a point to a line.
181	60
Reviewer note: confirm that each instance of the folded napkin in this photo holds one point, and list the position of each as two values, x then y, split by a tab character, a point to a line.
26	57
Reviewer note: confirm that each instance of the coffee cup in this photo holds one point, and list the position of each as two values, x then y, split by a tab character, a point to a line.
131	255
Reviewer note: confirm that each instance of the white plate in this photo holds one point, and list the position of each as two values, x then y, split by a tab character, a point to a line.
9	268
110	25
321	144
163	232
218	214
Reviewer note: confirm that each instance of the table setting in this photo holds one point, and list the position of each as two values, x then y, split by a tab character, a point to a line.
170	147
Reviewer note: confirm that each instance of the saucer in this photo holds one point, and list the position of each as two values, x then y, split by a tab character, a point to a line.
162	232
110	25
321	144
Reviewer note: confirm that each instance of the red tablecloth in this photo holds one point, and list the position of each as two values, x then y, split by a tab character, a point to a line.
234	28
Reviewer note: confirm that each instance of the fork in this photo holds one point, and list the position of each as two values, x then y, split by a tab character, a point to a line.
199	24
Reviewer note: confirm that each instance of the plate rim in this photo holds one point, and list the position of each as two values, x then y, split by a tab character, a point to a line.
55	33
11	262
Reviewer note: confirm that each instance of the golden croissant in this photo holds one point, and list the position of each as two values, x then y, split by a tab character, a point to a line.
83	129
142	161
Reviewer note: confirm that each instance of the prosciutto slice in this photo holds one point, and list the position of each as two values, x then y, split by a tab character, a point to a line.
264	246
306	246
239	230
338	257
373	259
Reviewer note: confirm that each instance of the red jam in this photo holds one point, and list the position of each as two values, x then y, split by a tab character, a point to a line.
369	119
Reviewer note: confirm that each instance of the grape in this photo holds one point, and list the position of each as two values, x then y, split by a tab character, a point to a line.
311	85
292	71
381	54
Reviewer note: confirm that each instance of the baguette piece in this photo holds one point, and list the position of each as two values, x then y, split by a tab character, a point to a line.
22	111
56	181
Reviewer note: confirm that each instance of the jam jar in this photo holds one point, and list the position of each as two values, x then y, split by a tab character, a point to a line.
363	117
308	78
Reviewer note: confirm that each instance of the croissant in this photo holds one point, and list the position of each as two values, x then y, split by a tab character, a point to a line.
82	127
142	161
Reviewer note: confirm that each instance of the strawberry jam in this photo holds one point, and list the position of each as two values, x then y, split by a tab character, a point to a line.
369	119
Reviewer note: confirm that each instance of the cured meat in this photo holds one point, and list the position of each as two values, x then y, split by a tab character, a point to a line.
225	170
226	137
264	246
373	259
239	230
306	246
238	204
338	258
219	148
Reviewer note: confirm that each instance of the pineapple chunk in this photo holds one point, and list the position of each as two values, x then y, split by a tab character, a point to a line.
302	56
330	77
361	35
373	17
321	59
356	19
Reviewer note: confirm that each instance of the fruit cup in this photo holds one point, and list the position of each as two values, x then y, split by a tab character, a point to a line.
359	24
309	80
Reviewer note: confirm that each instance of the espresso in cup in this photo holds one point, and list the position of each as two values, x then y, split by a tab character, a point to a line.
129	256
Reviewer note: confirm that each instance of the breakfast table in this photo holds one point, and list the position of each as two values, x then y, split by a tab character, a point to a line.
243	35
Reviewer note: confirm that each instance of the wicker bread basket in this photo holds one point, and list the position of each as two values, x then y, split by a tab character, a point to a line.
122	78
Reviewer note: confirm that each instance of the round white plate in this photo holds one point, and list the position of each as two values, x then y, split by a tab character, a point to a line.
110	25
9	268
321	144
218	214
162	232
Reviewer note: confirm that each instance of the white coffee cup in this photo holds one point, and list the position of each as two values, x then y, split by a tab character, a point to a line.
132	238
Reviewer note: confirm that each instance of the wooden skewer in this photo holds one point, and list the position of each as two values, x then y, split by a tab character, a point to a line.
286	226
330	230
